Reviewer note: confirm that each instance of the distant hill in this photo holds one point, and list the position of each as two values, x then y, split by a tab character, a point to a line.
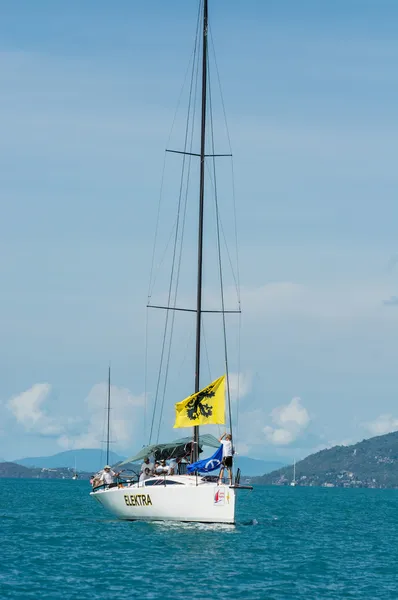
86	460
15	471
9	469
254	466
370	463
91	460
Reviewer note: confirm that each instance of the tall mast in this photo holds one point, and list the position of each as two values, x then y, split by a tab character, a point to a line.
200	228
109	414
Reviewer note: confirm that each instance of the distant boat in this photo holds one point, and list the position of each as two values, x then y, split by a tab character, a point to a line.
75	475
294	482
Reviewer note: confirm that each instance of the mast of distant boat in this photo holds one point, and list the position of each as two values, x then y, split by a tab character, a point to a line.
74	476
200	225
294	473
108	415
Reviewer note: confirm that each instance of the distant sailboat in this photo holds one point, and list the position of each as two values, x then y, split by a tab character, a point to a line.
294	482
75	475
108	412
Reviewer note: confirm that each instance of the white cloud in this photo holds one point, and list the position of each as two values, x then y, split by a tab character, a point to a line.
290	422
124	418
292	413
28	410
239	385
352	300
383	424
279	437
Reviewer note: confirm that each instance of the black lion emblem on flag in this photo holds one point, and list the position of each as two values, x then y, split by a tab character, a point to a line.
196	406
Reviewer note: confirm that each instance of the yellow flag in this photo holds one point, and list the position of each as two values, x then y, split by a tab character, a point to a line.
206	407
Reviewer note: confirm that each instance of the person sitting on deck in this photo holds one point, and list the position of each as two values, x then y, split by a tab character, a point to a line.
145	474
146	469
108	476
161	468
94	480
227	454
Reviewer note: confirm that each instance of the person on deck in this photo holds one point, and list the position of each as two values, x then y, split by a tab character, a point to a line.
146	465
108	476
161	468
227	454
146	469
173	466
94	480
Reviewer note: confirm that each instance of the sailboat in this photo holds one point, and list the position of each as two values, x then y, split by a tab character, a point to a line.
75	475
184	493
108	415
294	482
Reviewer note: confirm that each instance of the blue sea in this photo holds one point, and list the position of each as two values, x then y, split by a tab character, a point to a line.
288	543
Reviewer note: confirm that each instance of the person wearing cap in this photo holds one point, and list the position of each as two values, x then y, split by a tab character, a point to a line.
107	476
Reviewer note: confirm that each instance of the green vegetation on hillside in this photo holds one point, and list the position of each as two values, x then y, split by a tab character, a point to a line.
370	463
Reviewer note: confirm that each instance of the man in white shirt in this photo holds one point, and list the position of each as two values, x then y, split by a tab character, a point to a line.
107	476
161	468
146	469
173	467
227	454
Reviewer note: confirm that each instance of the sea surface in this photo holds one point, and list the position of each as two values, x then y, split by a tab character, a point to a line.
288	543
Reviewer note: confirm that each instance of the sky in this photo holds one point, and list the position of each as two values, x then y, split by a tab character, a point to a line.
88	96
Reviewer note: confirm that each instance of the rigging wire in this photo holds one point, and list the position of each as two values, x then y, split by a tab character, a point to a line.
188	145
152	278
238	382
174	270
185	354
232	173
177	235
210	376
146	371
237	279
151	282
207	353
220	257
192	59
104	438
103	435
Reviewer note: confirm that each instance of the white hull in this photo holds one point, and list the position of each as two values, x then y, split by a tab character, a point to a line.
203	503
